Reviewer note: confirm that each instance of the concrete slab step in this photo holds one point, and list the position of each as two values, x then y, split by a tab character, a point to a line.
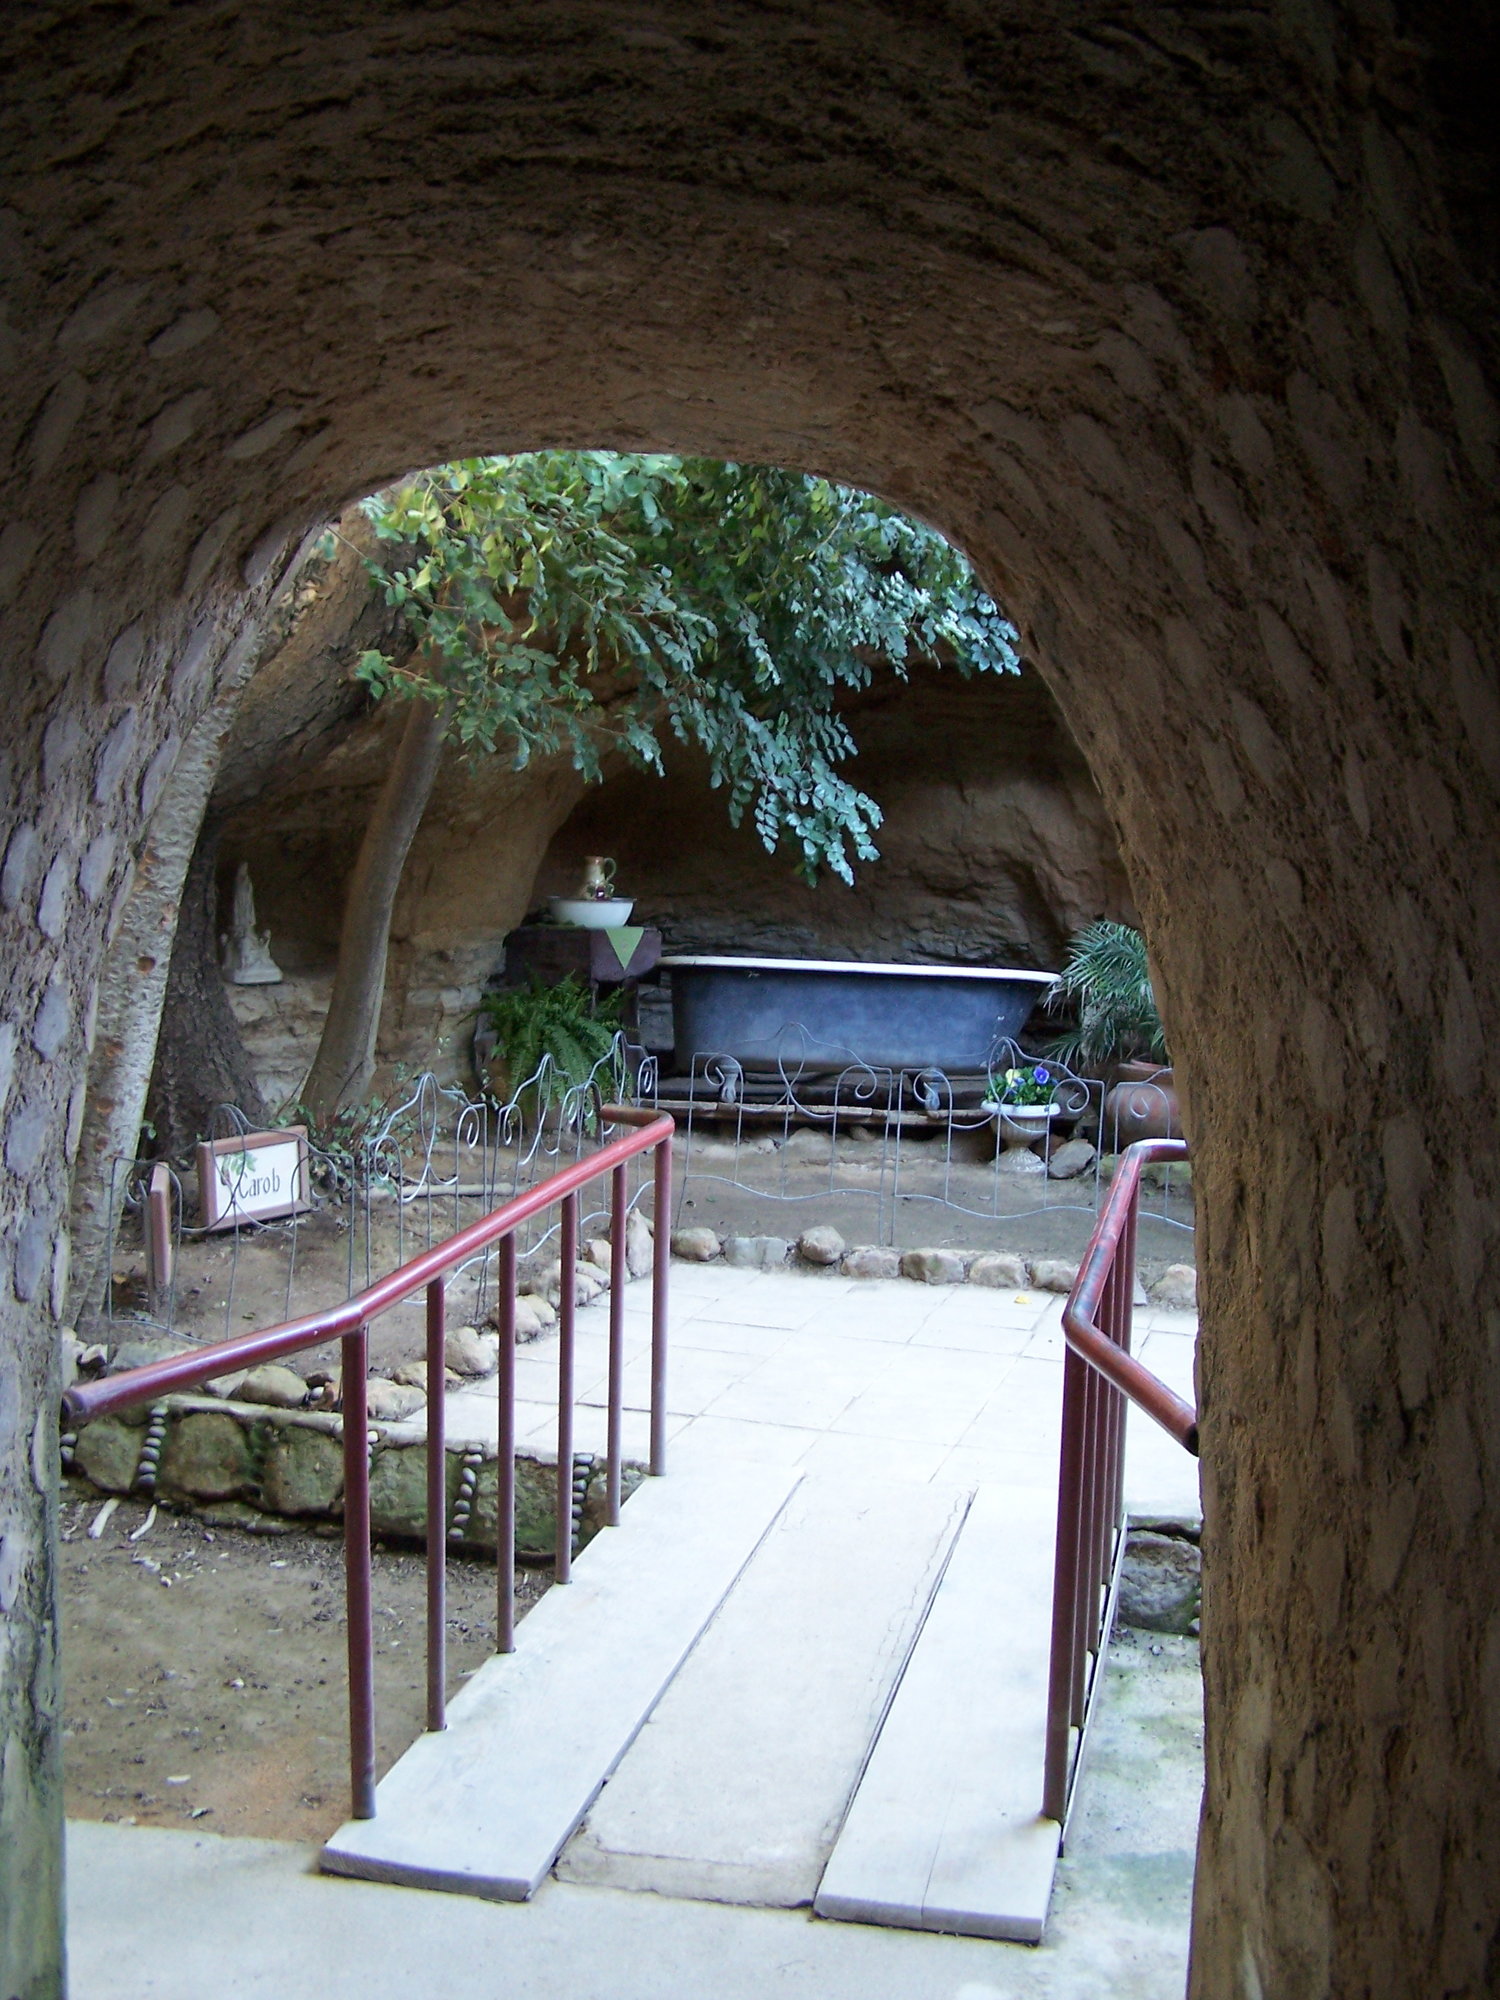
484	1806
735	1789
944	1832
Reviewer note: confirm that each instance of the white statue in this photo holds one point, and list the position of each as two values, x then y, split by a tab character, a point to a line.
247	951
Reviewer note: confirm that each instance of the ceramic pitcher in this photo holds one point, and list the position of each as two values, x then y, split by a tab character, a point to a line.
598	878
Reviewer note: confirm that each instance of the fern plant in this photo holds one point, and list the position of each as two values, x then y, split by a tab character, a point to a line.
1108	977
534	1022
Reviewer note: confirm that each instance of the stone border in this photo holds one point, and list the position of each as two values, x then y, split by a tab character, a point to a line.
246	1465
823	1248
1161	1576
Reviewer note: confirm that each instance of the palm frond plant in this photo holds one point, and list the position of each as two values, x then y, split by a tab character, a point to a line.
1107	977
562	1022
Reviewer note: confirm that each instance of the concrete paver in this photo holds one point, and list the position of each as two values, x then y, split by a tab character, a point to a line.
711	1440
976	1336
945	1832
736	1786
963	1383
873	1463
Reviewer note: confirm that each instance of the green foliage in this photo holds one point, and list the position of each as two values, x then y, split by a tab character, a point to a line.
536	1021
589	601
1108	977
340	1147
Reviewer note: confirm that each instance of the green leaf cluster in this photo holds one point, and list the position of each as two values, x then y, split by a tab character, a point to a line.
534	1022
594	601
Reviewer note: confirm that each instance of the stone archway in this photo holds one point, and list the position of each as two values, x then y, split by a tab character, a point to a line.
1177	321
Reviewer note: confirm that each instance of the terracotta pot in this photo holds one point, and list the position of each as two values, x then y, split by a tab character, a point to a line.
1142	1105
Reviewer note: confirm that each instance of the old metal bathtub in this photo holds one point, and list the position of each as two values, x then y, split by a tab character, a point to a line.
889	1016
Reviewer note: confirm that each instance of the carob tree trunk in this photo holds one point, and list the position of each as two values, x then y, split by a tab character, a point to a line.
201	1062
346	1054
132	992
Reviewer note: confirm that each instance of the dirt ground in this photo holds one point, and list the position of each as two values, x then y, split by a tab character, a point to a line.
204	1669
237	1281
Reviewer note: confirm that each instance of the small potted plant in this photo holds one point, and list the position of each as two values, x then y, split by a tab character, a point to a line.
1024	1101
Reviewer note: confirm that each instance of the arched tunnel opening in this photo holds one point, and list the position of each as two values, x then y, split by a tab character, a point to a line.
973	773
1190	345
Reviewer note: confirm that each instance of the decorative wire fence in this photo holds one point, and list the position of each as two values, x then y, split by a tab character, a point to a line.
883	1138
413	1171
874	1141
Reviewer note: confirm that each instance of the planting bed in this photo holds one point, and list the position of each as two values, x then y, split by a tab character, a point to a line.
204	1668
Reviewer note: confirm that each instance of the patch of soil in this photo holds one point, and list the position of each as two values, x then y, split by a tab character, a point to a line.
236	1282
204	1669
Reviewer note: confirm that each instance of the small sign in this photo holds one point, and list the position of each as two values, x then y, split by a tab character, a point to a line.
159	1229
253	1178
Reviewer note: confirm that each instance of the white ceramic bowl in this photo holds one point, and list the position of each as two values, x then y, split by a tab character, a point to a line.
590	915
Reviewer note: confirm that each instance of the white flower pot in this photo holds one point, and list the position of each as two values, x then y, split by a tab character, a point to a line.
1020	1127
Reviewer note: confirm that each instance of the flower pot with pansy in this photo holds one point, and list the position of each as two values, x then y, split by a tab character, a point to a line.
1024	1103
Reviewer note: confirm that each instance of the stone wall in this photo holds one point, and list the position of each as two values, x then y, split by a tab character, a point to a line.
1182	321
468	880
241	1464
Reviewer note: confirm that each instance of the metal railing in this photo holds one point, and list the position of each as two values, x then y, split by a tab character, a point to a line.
1099	1374
349	1323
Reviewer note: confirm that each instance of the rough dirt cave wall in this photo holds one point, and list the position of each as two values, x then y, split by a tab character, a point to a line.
995	848
468	880
1180	319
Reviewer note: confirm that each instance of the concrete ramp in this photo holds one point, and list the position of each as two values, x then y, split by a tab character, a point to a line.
736	1787
484	1806
944	1832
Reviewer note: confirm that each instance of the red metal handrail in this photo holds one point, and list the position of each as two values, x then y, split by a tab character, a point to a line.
1099	1373
350	1324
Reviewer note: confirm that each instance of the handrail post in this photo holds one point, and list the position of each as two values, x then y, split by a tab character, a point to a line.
660	1272
1065	1587
437	1506
505	1470
619	1272
354	1349
159	1261
1081	1635
1100	1378
1127	1330
1099	1470
1126	1260
567	1309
